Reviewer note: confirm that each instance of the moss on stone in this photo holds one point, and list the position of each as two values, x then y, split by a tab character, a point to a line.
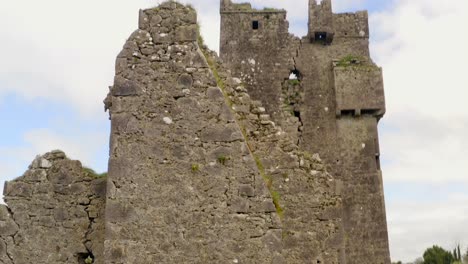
223	159
349	60
294	82
269	183
357	62
195	167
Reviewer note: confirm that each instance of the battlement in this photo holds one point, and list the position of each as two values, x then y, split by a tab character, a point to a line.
351	25
227	6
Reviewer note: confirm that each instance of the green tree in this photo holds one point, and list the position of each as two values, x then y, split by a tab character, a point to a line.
437	255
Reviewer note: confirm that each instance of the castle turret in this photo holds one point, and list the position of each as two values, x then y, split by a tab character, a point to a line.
321	21
224	4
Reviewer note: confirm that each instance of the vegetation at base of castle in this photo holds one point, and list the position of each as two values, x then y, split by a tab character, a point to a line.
195	167
92	173
438	255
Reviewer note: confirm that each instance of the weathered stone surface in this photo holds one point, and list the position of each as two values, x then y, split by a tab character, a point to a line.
182	183
301	200
54	214
331	108
220	161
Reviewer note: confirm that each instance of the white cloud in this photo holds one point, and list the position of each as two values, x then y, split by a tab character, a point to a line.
421	45
423	52
416	226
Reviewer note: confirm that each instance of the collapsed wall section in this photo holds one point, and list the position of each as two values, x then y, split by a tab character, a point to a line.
183	186
54	214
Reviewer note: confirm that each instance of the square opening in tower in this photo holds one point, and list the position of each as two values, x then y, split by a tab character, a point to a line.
255	25
320	36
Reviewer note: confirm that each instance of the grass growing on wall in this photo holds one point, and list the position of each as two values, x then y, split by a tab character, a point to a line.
269	182
220	82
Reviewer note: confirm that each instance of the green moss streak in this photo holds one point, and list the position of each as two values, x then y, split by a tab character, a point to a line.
220	82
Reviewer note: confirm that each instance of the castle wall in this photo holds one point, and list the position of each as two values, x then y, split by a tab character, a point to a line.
54	214
329	94
183	186
363	201
306	196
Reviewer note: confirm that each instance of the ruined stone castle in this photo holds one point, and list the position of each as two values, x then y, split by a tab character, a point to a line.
266	154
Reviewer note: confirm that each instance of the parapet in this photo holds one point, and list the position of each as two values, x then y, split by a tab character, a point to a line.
358	87
351	24
227	6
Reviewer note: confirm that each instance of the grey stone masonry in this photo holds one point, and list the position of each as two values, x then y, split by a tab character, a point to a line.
328	96
268	153
54	214
183	186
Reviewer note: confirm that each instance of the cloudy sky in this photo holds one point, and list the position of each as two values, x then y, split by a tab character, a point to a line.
57	60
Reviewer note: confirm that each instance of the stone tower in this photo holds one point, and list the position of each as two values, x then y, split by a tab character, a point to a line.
335	95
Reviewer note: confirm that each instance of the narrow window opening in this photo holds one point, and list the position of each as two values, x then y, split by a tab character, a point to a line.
255	25
348	112
371	112
321	36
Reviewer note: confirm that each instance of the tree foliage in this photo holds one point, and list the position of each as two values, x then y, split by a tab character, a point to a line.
438	255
